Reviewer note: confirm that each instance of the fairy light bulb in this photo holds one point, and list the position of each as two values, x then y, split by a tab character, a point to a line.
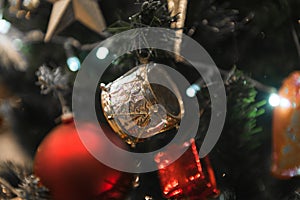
192	90
275	100
73	63
4	24
285	103
102	53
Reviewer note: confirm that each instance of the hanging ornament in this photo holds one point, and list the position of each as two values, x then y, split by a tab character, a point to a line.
178	8
136	109
65	12
286	129
69	171
188	176
64	164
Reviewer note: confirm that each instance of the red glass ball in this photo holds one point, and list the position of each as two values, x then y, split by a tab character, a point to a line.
66	167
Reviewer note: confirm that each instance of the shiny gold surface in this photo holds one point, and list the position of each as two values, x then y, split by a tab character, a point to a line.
136	109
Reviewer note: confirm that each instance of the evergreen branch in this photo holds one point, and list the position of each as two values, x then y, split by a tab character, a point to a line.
153	14
241	137
36	36
221	19
17	183
53	80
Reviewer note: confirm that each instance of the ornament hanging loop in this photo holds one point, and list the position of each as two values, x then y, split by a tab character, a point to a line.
143	55
178	8
55	81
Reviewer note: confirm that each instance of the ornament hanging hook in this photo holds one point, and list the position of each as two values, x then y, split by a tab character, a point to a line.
178	8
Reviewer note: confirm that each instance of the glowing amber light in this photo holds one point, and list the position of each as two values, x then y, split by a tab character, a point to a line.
286	130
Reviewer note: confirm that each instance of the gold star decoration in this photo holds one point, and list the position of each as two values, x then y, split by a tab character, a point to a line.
65	12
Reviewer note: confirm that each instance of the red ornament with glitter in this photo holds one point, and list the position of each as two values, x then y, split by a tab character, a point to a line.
188	176
69	171
286	129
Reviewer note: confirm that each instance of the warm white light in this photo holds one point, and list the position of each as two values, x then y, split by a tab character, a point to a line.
73	63
102	53
192	90
274	100
4	26
285	103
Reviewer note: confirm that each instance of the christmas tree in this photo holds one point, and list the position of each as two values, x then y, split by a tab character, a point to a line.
149	99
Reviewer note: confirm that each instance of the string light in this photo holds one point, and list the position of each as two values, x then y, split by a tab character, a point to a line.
73	62
4	24
285	103
102	53
275	100
192	90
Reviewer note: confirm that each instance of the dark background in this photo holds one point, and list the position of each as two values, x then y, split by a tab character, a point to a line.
262	48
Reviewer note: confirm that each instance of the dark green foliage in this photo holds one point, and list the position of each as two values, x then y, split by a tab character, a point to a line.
16	181
236	155
153	13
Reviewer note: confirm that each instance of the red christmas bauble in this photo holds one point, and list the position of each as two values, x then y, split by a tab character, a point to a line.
69	171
